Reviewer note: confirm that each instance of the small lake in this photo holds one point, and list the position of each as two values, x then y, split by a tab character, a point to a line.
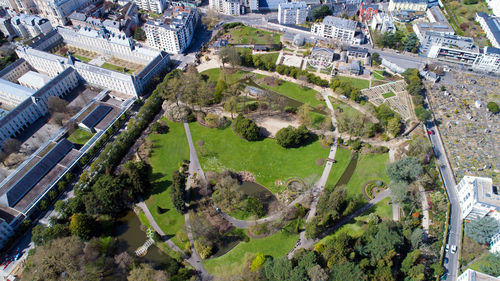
130	237
263	194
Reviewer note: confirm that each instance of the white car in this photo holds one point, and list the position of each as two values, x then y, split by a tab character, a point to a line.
447	248
453	249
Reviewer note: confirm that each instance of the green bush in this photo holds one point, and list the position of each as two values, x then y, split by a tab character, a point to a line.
493	107
292	137
246	128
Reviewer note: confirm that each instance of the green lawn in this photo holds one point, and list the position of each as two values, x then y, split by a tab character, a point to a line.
169	150
378	74
382	209
250	35
214	73
354	229
82	58
267	160
481	261
349	110
273	56
388	95
276	245
116	68
343	157
80	136
296	92
360	83
369	167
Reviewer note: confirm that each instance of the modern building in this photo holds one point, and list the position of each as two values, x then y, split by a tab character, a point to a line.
265	5
410	5
227	7
292	13
434	14
172	35
338	29
155	6
483	60
431	38
383	23
491	26
322	54
57	11
478	198
421	29
495	243
29	26
472	275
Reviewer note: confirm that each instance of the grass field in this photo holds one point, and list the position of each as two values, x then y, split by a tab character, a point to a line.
169	150
369	167
250	35
116	68
266	159
80	136
214	73
359	83
377	74
273	56
275	245
82	58
343	157
388	95
349	110
382	209
296	92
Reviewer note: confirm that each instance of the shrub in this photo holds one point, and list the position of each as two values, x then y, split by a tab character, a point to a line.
292	137
246	128
493	107
203	247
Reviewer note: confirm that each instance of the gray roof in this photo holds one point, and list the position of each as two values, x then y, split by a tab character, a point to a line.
493	24
15	89
410	1
96	116
492	50
316	49
293	5
77	16
340	23
438	14
357	49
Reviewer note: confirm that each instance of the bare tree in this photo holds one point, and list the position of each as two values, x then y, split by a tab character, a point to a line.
211	18
56	104
10	145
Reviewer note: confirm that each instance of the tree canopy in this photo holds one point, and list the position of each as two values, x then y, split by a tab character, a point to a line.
292	137
405	170
481	230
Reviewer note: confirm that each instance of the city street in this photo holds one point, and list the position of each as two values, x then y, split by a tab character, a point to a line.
455	231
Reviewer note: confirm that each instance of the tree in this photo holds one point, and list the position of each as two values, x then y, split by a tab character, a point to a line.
411	43
406	170
139	34
246	128
410	260
320	12
316	273
394	125
10	146
144	272
138	174
493	107
376	59
229	55
56	104
258	262
106	196
491	265
416	238
388	238
346	271
304	114
231	105
399	191
277	269
204	247
422	114
481	230
178	192
41	234
292	137
81	225
211	18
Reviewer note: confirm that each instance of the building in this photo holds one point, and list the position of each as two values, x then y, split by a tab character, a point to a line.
367	12
483	60
495	243
338	29
322	54
431	38
172	35
354	52
491	26
292	13
227	7
434	14
383	23
29	26
478	198
265	5
57	11
155	6
409	5
472	275
90	121
6	231
421	29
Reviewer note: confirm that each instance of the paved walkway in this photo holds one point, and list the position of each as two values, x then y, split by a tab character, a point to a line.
396	212
425	211
194	167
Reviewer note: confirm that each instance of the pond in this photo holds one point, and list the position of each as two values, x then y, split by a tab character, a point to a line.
130	237
263	194
347	174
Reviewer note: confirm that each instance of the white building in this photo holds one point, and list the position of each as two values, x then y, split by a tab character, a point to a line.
57	11
472	275
175	36
477	198
491	26
29	26
411	5
292	13
227	7
155	6
495	243
265	5
484	60
337	28
431	39
383	23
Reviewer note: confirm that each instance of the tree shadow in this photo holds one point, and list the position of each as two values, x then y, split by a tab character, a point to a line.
160	186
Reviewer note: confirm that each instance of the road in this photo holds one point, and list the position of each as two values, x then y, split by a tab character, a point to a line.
455	224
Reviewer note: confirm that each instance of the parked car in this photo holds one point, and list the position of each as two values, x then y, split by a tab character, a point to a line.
446	260
453	249
447	248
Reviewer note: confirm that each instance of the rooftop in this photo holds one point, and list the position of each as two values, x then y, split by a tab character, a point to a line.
17	90
34	79
357	49
492	23
293	5
340	22
96	116
437	14
410	1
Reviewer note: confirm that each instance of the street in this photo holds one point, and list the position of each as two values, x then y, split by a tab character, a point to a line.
455	224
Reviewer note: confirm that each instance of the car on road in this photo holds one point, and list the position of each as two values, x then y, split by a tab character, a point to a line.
444	277
446	260
447	248
431	132
453	249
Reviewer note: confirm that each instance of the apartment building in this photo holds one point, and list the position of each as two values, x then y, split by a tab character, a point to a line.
292	13
491	26
227	7
472	275
155	6
338	29
383	23
265	5
431	38
409	5
478	198
57	11
172	35
29	26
